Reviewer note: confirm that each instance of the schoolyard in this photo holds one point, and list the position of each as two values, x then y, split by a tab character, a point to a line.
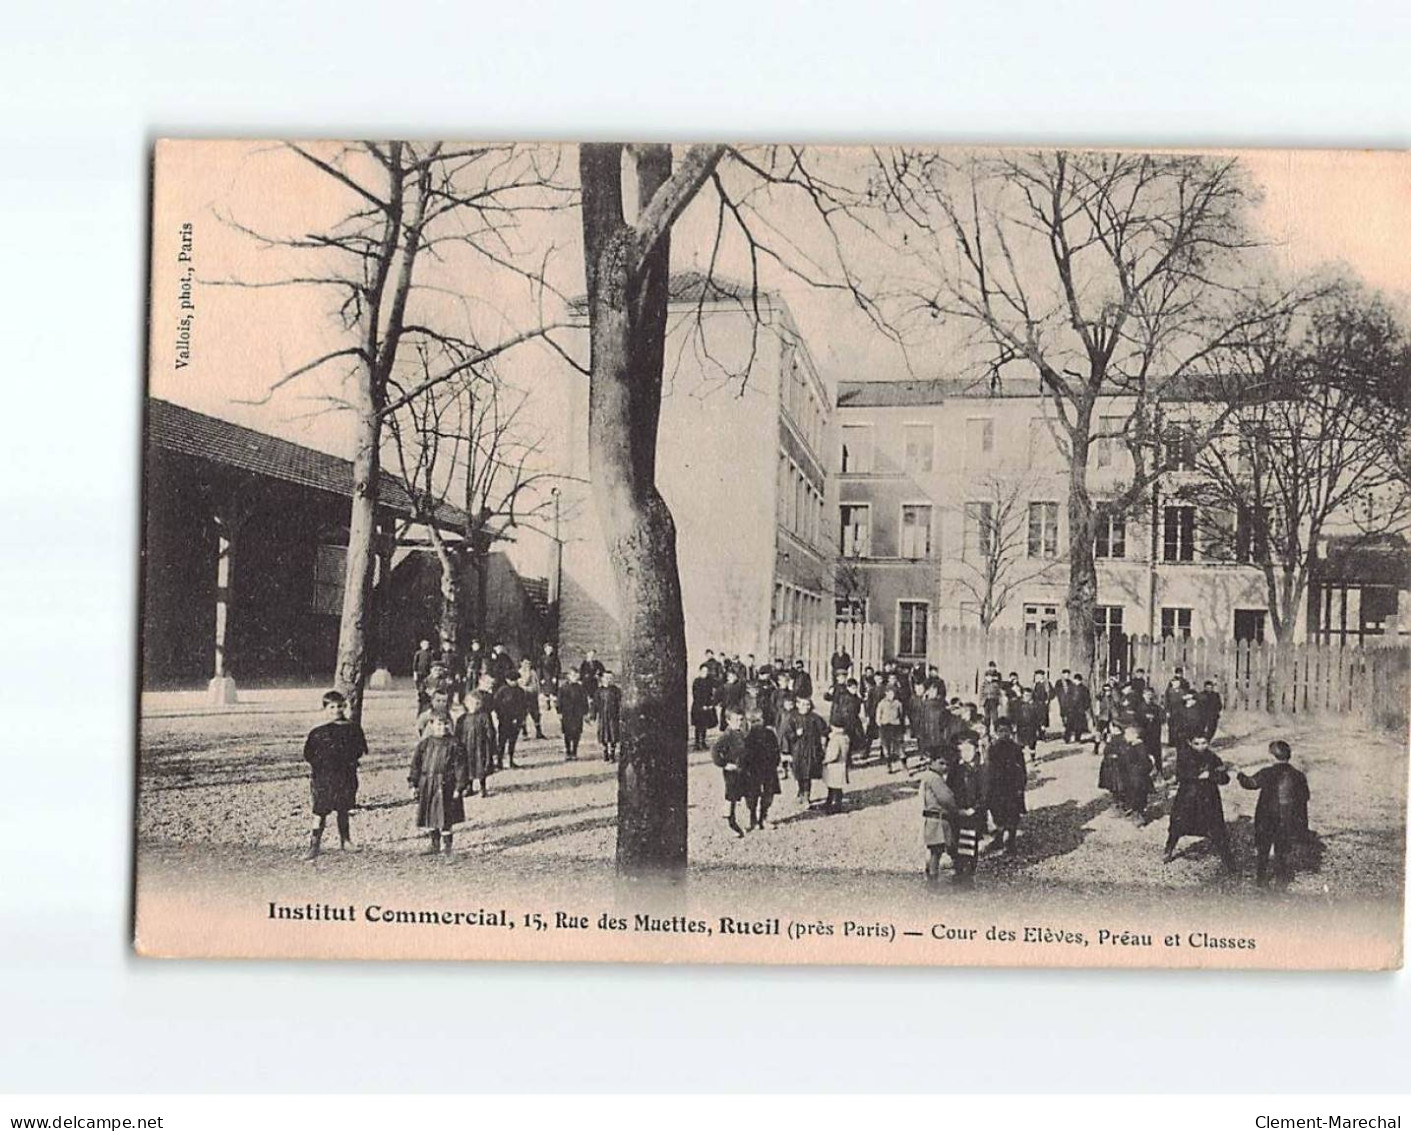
226	789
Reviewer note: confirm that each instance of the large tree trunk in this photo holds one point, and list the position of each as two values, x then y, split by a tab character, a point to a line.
628	332
357	578
1082	566
449	628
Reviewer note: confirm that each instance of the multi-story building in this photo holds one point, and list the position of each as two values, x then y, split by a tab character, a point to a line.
742	465
952	510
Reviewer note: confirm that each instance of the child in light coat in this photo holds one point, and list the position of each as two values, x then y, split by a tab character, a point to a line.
835	767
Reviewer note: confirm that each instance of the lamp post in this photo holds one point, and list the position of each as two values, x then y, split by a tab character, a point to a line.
556	574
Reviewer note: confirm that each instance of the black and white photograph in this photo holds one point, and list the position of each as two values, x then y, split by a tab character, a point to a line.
775	553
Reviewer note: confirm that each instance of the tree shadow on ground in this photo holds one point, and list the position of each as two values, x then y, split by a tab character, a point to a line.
884	793
552	832
1066	751
495	823
1054	830
242	771
500	785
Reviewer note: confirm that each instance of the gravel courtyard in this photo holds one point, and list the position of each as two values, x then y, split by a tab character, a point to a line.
225	785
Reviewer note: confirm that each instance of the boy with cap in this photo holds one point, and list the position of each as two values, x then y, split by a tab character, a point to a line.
1280	815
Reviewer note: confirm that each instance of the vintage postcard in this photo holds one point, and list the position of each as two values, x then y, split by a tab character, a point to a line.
775	554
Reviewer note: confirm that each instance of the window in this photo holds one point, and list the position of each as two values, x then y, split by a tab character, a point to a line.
911	627
1043	530
1179	444
854	533
1111	536
916	531
1109	439
1040	618
1176	622
979	439
979	530
1249	625
1251	537
920	446
857	449
1178	534
850	610
1108	620
330	565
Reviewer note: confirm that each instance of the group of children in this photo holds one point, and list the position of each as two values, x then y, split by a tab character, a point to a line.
974	755
974	772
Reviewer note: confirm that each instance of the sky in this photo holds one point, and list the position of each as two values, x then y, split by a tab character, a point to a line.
1317	208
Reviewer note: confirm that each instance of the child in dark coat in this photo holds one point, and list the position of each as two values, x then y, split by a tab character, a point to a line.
963	776
1134	768
1210	707
760	768
438	777
805	741
1027	723
729	754
1281	814
1197	810
609	716
333	751
510	709
1008	779
476	735
573	709
702	706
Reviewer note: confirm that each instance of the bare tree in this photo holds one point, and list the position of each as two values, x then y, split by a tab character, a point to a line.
851	584
1101	275
1002	553
627	265
463	448
410	207
1312	445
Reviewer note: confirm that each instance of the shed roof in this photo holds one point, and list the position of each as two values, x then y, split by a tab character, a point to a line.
173	428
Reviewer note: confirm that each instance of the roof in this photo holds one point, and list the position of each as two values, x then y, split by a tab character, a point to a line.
176	429
938	390
1356	560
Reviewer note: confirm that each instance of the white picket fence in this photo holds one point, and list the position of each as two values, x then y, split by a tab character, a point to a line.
815	645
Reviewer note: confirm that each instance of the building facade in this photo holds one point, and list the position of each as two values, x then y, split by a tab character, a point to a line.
952	510
742	465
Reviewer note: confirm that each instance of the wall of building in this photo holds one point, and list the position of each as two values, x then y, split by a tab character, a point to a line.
275	631
1003	451
719	470
413	609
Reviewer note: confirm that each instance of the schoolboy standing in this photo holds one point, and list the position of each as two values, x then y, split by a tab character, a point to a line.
609	716
333	750
573	709
1280	815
